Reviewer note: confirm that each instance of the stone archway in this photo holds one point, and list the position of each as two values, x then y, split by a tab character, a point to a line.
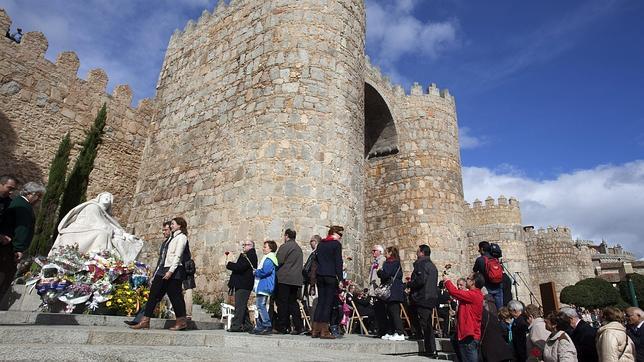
380	136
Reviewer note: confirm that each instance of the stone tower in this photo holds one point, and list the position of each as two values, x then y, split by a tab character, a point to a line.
260	127
414	183
500	222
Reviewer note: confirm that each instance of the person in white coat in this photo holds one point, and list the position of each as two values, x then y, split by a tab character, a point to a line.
613	344
559	346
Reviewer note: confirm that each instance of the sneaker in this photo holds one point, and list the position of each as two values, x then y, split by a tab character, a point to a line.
266	332
386	337
397	337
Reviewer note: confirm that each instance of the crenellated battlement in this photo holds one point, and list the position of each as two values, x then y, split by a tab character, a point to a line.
207	20
559	231
41	100
493	212
33	48
416	90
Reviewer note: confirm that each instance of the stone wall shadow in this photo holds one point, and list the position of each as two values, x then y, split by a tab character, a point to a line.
10	163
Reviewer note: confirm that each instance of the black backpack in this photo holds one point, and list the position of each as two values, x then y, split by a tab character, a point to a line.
495	251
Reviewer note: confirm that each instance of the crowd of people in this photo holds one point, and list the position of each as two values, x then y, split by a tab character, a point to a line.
477	311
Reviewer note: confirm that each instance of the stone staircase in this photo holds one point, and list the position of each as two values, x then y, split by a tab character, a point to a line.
30	335
64	342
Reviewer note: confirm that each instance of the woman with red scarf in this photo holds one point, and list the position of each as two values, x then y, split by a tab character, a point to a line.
327	276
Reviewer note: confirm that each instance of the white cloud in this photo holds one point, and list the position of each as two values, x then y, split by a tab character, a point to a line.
394	32
606	202
467	140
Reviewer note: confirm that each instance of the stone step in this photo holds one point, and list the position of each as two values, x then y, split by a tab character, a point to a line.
33	352
199	314
39	318
47	336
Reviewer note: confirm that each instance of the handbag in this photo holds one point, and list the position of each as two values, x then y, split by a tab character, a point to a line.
383	291
186	260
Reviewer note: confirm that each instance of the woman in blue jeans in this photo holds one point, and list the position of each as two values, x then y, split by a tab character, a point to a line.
264	287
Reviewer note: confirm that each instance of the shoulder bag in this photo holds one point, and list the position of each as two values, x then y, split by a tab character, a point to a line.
383	291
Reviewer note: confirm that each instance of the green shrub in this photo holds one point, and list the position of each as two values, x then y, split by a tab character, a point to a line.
638	283
590	293
47	216
213	307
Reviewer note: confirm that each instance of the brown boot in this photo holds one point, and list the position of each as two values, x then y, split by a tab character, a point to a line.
324	331
143	324
315	330
180	324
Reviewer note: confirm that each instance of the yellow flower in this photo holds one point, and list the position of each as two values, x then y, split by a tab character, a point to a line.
129	300
109	303
119	300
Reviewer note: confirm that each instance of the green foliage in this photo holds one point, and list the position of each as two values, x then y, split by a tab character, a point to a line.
590	293
76	187
213	308
638	283
46	221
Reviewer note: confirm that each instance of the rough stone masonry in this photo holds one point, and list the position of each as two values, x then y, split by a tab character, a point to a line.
268	115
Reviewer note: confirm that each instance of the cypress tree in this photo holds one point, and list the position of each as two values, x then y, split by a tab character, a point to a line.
76	187
46	220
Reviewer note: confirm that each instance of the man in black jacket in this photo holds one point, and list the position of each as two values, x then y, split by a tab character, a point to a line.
423	292
241	282
7	185
582	335
289	280
635	330
519	330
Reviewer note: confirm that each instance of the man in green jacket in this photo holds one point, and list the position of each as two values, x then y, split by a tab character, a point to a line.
16	231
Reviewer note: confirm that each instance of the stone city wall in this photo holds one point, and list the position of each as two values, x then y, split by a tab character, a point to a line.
415	196
260	128
553	257
40	101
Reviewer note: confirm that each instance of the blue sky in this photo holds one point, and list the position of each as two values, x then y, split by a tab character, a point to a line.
550	94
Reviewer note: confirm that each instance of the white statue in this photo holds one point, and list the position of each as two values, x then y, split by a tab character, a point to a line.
92	227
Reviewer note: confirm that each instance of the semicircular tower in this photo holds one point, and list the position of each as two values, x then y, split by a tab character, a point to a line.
260	128
414	192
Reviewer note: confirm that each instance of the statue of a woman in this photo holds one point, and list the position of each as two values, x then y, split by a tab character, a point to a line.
92	227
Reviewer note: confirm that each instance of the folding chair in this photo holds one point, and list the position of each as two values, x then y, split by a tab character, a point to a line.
227	311
436	322
356	315
305	318
252	313
405	317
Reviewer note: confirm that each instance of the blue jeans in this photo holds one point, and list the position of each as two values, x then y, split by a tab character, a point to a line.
498	296
263	320
469	350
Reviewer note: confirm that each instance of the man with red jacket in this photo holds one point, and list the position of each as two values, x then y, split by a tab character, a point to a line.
468	317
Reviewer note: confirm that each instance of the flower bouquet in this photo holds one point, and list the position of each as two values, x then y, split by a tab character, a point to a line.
90	281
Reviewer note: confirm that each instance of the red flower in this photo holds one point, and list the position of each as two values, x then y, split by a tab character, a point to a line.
536	352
